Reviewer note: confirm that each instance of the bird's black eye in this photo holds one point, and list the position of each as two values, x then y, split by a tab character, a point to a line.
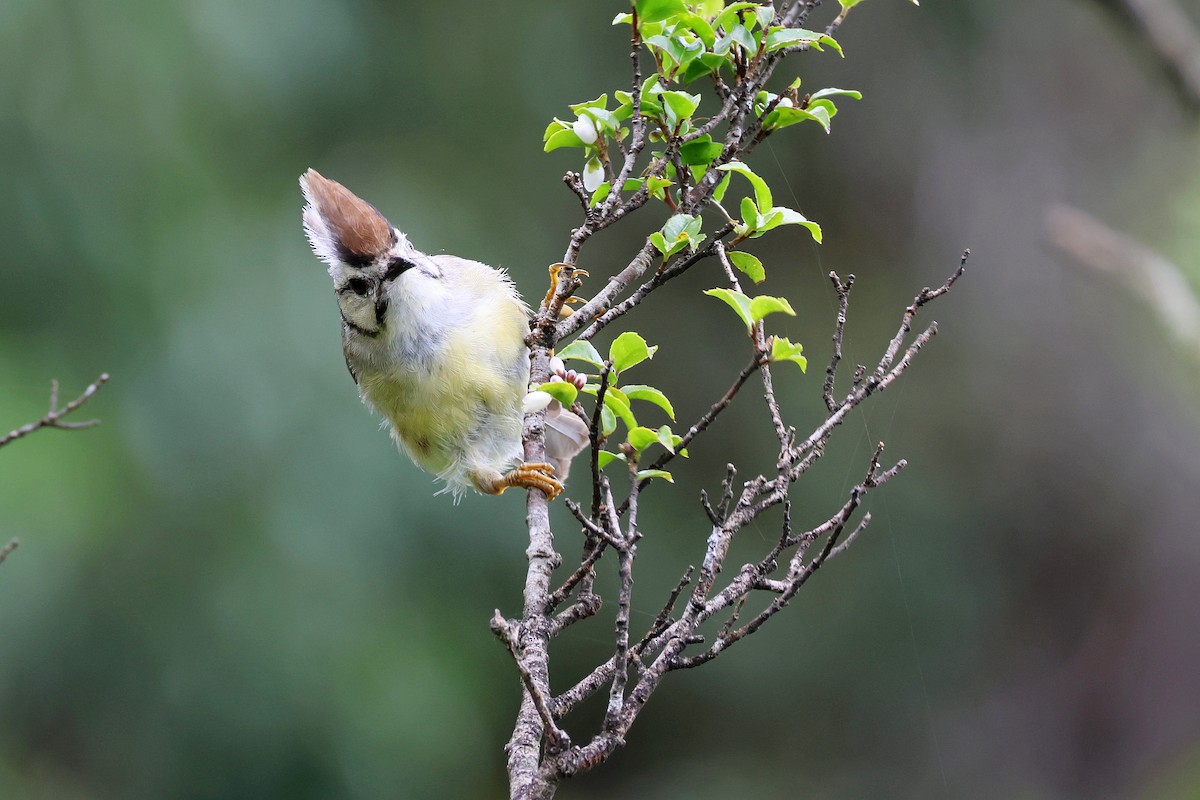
357	285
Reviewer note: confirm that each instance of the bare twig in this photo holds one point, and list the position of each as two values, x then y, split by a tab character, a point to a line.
5	551
55	417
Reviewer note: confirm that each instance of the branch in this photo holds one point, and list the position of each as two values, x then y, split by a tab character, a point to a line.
5	551
55	416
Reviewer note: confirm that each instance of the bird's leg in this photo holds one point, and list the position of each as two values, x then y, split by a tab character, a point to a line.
554	270
524	476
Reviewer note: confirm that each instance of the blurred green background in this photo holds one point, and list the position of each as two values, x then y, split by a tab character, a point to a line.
236	588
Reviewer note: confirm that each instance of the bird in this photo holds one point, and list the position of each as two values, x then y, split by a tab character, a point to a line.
436	345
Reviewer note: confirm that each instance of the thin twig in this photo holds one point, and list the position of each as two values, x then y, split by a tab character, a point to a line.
55	416
13	544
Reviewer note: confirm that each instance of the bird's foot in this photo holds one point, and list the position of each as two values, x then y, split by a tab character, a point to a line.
555	269
528	476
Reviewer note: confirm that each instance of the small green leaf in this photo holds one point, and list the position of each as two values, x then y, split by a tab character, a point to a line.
764	304
637	391
608	422
700	151
853	94
787	37
748	264
666	438
640	438
790	217
616	401
660	243
701	27
739	302
629	349
644	474
658	10
750	214
581	351
762	193
730	16
561	391
784	350
623	19
554	127
602	191
604	458
563	138
658	186
680	106
719	192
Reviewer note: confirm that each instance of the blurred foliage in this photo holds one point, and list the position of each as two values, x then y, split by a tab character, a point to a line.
235	587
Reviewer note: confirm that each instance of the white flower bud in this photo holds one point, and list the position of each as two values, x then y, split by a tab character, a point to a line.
585	129
557	366
593	174
535	401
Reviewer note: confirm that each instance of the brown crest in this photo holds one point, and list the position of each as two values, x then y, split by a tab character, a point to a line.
362	233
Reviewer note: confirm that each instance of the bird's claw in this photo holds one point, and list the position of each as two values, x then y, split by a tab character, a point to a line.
532	476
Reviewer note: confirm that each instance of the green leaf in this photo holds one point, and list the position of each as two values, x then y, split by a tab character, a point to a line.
704	64
750	214
677	226
790	217
821	114
637	391
658	10
680	106
701	27
762	193
561	391
700	151
783	116
764	304
666	438
719	192
608	422
739	302
643	474
748	264
784	350
853	94
580	350
660	244
787	37
616	401
623	19
751	310
563	138
629	349
640	438
600	103
730	16
602	191
658	186
554	127
604	458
